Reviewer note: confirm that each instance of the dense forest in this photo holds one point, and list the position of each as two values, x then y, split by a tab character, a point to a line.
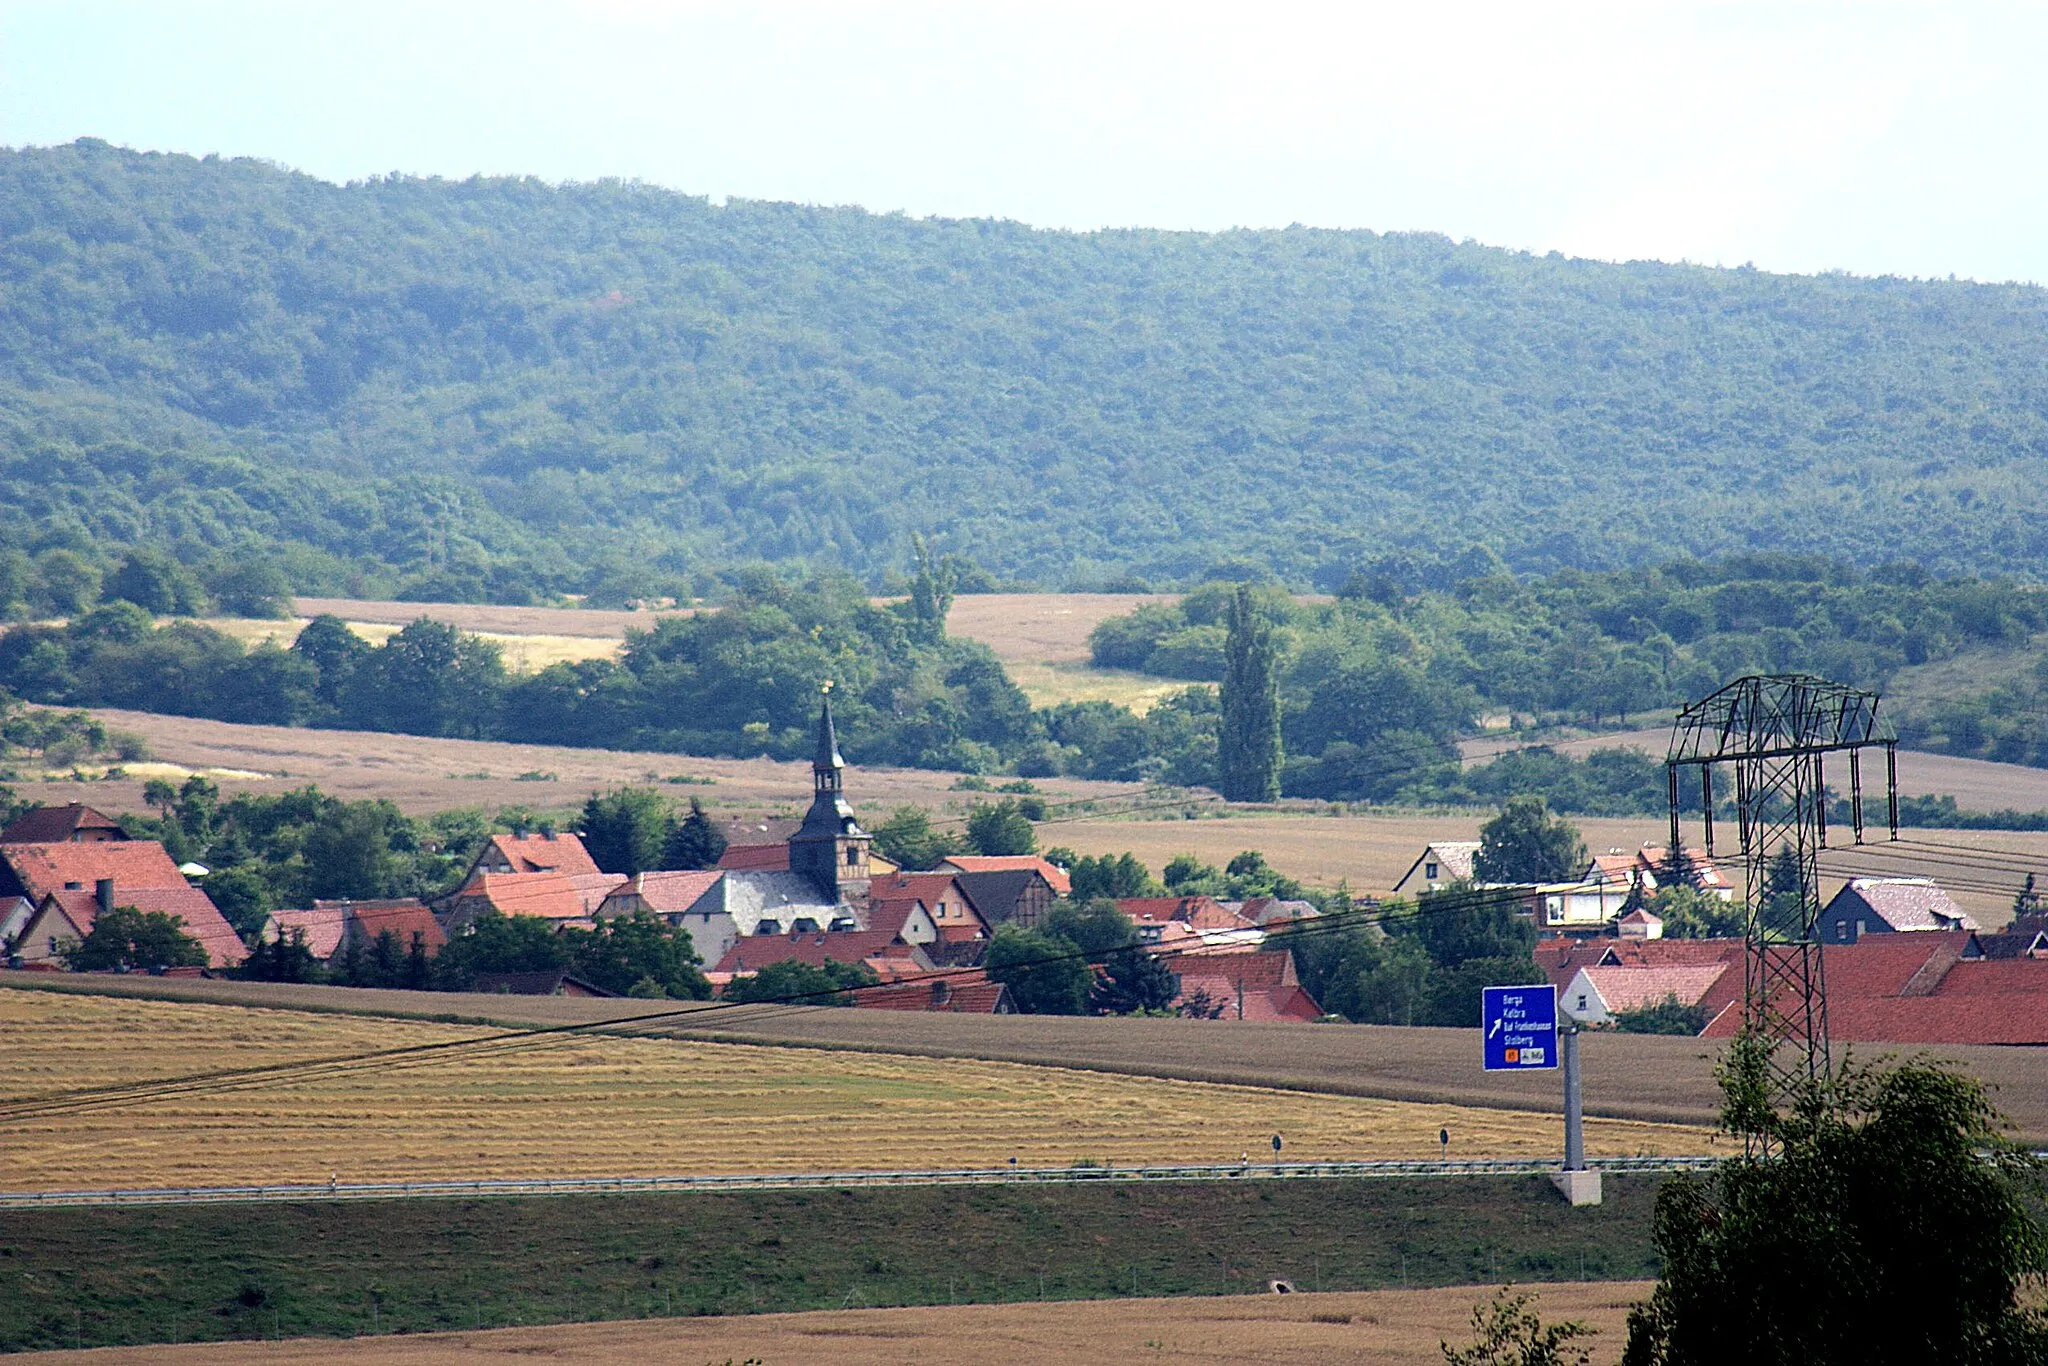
1378	685
501	389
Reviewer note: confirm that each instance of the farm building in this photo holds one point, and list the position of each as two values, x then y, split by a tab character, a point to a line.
1242	984
68	915
1889	905
547	852
564	898
75	823
1441	862
1008	890
954	993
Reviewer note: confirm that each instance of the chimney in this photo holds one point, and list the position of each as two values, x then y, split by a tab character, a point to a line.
103	892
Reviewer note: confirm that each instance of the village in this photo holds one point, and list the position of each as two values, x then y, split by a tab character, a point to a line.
1904	963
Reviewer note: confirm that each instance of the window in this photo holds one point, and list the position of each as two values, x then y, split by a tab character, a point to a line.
1429	871
1582	1000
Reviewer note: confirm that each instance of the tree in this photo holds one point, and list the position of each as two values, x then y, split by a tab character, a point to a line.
285	959
802	983
156	583
429	679
500	943
1664	1017
931	591
1097	928
337	652
1509	1332
1046	976
908	840
1104	875
1689	913
125	939
1248	738
626	830
1525	843
695	843
349	855
624	951
1894	1224
1000	828
1133	982
252	588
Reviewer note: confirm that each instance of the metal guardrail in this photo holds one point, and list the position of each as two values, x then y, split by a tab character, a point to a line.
966	1176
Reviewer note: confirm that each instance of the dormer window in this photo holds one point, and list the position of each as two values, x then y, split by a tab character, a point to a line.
768	927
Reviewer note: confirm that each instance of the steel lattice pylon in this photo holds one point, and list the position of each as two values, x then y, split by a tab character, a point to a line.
1775	732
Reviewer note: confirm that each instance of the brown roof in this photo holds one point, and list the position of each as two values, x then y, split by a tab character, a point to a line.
1196	912
59	825
757	951
1013	863
323	927
557	853
551	896
1265	981
43	868
755	858
202	918
669	892
536	984
959	993
892	913
404	918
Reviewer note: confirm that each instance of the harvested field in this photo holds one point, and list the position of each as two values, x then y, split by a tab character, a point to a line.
523	653
1396	1327
634	1106
424	775
1628	1076
1976	784
592	623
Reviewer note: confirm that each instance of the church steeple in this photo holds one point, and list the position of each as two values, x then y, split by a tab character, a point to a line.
830	848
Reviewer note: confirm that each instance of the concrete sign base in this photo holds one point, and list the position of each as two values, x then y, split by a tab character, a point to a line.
1579	1187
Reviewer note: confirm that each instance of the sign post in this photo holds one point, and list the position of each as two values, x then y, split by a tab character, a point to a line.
1522	1034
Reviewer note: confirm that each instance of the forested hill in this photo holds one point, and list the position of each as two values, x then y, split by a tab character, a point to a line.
499	387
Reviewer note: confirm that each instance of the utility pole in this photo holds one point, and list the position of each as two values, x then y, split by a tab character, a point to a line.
1776	731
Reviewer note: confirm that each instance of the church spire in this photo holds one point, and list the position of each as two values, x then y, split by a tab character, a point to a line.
827	768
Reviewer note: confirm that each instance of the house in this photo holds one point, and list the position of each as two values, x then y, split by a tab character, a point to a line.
1597	994
1243	984
666	895
1009	890
320	928
35	870
1639	923
1561	959
1164	920
944	898
1575	907
882	952
72	824
954	993
1653	864
546	852
740	904
332	927
565	898
1442	862
68	915
1269	911
909	919
536	984
1889	905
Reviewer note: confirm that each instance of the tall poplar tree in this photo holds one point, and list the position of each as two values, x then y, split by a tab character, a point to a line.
1248	735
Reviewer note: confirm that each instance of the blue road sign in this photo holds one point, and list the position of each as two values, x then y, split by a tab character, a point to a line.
1521	1028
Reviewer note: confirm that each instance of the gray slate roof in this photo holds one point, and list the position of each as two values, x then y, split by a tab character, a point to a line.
1908	903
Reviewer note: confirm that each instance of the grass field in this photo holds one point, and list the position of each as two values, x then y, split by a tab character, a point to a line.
594	1105
1387	1327
102	1277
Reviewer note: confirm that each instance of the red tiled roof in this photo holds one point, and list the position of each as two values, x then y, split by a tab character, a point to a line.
1011	863
323	927
1938	1019
44	868
756	951
1267	980
891	914
756	858
557	853
59	825
202	918
968	992
1634	988
669	892
2004	977
1197	912
551	896
403	919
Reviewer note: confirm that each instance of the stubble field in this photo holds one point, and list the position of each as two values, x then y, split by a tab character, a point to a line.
588	1105
1396	1327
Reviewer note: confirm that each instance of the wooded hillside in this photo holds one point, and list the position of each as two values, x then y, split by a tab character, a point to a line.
499	388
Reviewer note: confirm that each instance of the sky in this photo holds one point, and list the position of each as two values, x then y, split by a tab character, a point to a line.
1870	137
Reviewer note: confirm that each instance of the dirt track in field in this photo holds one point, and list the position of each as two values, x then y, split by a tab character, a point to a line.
1395	1327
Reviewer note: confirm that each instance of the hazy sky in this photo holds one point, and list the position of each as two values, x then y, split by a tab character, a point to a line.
1870	137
